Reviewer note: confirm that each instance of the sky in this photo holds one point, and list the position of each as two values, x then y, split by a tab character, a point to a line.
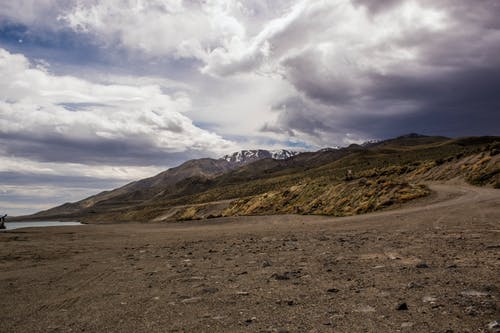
95	94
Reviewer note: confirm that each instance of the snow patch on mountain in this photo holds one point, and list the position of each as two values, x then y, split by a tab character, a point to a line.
247	156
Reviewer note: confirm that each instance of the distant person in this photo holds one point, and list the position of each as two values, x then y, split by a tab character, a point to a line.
348	174
2	222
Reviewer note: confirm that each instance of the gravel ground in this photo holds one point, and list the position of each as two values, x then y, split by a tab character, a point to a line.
429	267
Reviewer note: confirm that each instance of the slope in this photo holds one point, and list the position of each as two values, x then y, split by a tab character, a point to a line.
386	173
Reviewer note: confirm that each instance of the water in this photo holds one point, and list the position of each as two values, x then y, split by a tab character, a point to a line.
17	225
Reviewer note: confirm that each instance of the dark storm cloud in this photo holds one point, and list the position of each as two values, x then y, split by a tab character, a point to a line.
312	79
293	116
33	179
101	151
376	6
463	103
450	87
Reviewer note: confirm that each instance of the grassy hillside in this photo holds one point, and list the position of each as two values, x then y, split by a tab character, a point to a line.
384	174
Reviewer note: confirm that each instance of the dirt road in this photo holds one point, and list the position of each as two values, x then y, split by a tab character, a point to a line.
430	267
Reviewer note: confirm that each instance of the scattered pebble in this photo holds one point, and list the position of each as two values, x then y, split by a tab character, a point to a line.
471	311
473	293
365	309
277	276
402	307
191	300
218	317
412	285
286	275
422	265
210	290
494	326
429	299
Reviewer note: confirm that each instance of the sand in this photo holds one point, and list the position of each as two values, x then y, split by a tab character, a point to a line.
433	266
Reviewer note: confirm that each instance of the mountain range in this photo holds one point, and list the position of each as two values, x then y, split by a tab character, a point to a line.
254	182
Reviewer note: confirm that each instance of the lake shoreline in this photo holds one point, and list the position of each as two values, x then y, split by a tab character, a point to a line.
38	224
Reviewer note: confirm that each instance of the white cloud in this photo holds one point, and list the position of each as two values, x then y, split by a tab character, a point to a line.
224	36
35	103
34	12
178	28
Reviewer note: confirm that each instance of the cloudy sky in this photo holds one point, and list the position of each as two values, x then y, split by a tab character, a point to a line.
94	94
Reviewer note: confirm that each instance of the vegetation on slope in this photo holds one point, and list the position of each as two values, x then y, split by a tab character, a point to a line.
385	174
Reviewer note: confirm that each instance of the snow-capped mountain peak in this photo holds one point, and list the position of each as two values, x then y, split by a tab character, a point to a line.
247	156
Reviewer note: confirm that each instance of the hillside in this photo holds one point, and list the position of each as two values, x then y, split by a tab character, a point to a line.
385	174
166	183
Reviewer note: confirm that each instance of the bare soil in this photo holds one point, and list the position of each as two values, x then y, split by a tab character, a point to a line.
430	267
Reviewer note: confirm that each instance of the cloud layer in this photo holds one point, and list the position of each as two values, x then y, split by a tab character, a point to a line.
385	64
44	115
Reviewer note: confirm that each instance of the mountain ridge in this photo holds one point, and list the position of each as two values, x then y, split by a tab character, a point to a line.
158	185
247	156
399	162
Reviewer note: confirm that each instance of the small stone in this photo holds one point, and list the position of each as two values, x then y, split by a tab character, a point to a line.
286	275
429	299
210	290
474	293
333	290
412	285
365	309
218	317
471	311
406	324
494	326
243	293
277	276
266	263
191	300
422	265
402	307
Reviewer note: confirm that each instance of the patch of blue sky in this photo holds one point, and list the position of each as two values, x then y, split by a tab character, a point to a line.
61	46
82	106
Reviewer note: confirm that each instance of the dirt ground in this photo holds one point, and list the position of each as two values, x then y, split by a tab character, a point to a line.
430	267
